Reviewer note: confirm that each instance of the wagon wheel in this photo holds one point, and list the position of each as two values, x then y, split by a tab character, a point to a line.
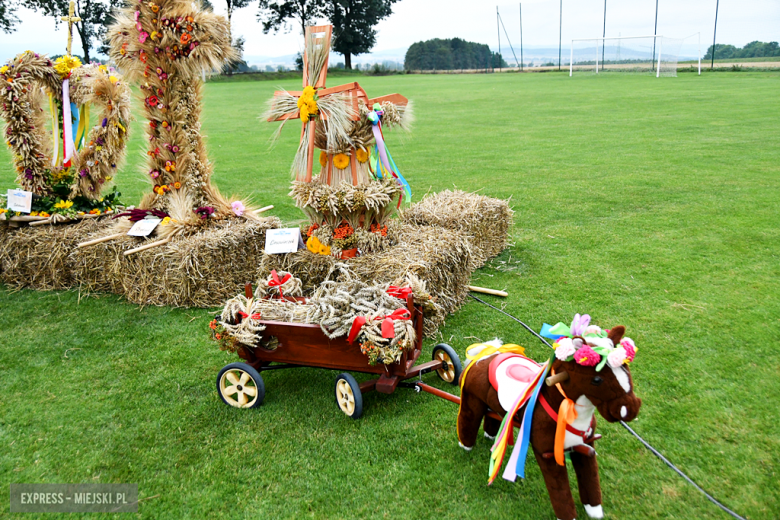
451	367
349	398
241	386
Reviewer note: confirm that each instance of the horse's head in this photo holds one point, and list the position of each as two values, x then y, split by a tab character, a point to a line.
597	368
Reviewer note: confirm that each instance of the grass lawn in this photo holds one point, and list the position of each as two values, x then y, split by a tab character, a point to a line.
642	201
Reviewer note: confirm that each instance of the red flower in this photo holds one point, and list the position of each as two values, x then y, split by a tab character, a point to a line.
185	38
152	101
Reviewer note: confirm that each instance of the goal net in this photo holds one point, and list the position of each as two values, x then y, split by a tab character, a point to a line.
652	54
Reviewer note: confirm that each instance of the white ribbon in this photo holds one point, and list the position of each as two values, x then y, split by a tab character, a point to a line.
67	122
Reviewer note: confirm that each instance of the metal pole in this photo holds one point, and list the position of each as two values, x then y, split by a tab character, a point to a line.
521	37
655	32
597	55
571	60
560	32
604	35
498	29
714	31
699	54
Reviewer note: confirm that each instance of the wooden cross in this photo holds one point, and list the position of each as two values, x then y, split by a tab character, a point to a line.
321	35
71	20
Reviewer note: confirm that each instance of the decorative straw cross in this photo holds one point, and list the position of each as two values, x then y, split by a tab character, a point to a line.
71	20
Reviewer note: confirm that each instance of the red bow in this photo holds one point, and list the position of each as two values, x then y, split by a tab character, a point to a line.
256	316
388	329
399	292
276	282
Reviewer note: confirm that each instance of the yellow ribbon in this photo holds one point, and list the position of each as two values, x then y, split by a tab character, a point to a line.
83	125
488	350
567	413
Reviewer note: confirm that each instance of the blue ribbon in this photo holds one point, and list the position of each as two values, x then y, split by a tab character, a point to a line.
381	159
527	419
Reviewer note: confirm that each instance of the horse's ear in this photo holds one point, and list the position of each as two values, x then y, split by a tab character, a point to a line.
616	334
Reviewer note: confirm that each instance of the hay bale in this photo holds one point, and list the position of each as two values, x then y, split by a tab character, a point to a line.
485	220
37	257
199	270
98	268
442	258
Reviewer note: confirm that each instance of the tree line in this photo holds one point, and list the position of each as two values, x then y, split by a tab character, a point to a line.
451	54
751	50
354	21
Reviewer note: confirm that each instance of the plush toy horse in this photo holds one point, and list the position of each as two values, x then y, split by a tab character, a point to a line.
589	372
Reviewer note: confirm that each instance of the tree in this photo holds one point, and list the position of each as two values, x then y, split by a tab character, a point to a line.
238	43
354	25
277	15
7	17
451	54
95	18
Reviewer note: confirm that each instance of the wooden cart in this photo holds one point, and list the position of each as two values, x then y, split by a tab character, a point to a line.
293	345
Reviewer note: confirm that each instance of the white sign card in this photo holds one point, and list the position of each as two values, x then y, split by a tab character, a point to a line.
143	228
19	200
279	241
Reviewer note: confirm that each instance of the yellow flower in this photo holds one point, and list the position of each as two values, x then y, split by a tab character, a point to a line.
64	204
103	68
307	103
165	221
323	159
3	69
313	244
341	161
113	79
33	213
361	155
65	64
43	214
2	210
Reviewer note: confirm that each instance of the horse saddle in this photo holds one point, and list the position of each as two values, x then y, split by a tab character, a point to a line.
511	374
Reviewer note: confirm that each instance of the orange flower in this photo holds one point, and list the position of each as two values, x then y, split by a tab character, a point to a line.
323	159
185	38
176	185
213	324
361	155
218	336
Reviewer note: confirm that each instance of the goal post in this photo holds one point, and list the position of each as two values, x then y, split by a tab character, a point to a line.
652	54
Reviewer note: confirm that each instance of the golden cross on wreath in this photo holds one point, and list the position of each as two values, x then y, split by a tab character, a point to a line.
71	20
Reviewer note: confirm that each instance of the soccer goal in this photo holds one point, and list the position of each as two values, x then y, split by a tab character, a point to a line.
651	54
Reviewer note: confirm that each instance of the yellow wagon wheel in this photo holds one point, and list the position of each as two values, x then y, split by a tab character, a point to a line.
451	367
349	398
241	386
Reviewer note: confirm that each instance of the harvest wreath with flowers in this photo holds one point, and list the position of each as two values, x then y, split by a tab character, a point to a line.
588	345
68	171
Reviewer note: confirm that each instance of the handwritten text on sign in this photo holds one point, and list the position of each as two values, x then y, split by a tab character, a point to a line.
278	241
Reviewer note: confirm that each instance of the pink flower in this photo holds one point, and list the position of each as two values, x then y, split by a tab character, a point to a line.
630	347
587	357
593	329
143	36
565	349
238	208
617	357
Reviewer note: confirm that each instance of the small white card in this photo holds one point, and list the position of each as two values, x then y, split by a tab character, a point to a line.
279	241
143	228
19	200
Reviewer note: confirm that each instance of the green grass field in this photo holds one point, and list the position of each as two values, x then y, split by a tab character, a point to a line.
642	201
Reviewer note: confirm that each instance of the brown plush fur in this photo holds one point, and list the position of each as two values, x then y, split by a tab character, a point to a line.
478	395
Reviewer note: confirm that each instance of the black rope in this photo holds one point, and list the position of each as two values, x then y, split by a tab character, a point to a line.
626	426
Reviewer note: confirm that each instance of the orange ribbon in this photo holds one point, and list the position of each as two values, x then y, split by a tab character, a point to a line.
567	413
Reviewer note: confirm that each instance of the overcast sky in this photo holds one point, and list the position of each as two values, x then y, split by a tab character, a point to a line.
739	22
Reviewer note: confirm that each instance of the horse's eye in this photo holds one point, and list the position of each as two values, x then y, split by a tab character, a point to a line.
596	381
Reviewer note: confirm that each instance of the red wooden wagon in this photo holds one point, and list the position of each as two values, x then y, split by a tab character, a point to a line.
294	345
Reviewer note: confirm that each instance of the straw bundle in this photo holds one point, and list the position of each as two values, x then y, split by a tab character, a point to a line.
37	257
484	220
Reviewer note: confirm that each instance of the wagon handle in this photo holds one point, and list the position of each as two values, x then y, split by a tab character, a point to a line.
248	289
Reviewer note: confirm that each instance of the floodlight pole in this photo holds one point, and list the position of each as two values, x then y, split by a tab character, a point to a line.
498	29
603	35
714	32
560	33
655	31
521	37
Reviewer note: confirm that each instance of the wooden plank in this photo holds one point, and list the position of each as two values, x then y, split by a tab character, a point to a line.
101	239
147	246
310	161
397	99
386	384
353	166
484	290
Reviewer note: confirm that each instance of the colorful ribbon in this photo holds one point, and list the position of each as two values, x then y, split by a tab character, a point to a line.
567	413
387	165
67	124
399	292
276	282
255	316
505	435
388	328
577	328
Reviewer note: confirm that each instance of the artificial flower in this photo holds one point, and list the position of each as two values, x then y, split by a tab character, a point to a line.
65	64
630	348
586	356
340	161
238	208
323	159
593	329
307	103
564	348
64	204
361	155
617	357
